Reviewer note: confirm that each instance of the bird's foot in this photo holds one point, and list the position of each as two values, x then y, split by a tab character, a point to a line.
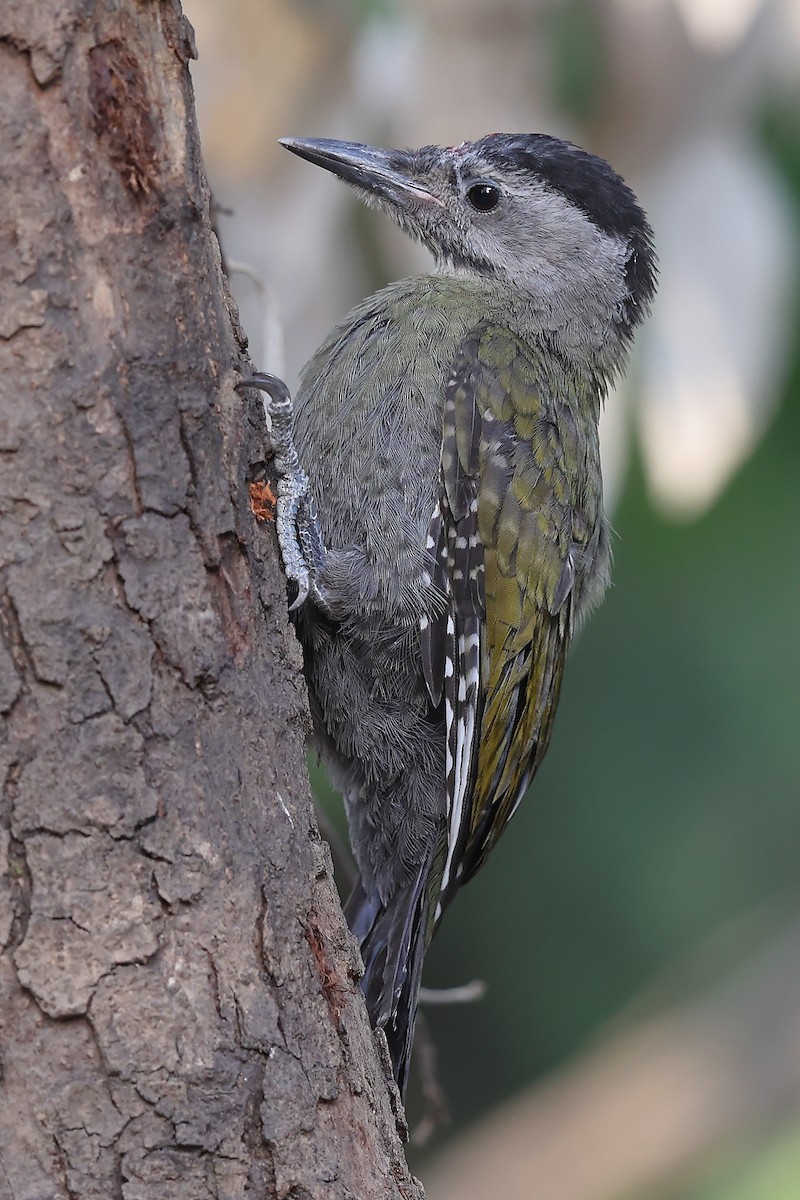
296	522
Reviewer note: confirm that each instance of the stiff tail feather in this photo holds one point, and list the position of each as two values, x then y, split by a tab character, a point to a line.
393	941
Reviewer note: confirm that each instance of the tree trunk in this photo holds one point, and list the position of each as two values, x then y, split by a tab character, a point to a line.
178	1011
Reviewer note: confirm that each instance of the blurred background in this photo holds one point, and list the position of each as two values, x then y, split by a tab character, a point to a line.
638	927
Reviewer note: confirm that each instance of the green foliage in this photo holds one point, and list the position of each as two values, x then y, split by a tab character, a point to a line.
577	57
755	1172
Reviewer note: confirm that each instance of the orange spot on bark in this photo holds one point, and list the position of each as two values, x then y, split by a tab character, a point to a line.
262	501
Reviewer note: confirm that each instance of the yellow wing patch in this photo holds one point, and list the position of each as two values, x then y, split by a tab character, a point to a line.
527	450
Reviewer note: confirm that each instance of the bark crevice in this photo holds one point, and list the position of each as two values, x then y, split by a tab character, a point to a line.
178	1007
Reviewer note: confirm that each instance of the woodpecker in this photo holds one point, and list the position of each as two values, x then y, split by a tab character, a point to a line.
440	510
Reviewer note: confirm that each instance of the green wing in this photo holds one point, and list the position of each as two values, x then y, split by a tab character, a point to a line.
514	537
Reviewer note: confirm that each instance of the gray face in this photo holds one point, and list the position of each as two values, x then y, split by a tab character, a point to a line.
538	214
531	235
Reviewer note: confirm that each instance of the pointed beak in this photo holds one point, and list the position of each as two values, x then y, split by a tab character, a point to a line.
387	174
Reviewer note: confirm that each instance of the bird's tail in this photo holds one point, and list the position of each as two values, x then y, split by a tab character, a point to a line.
393	942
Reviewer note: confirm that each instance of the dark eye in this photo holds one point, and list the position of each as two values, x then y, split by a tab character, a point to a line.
483	196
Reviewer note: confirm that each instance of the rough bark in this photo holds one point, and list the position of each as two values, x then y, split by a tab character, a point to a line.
178	1012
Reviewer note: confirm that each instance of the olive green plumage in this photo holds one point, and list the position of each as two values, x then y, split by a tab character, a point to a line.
450	530
544	543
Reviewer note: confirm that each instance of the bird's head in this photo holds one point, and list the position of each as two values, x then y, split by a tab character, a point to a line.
529	210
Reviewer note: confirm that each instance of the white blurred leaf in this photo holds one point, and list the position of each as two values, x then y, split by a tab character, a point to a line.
715	353
717	26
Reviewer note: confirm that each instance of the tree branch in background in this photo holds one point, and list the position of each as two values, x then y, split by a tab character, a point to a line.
651	1103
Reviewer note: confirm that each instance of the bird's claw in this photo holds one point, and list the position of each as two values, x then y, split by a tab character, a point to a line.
296	522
